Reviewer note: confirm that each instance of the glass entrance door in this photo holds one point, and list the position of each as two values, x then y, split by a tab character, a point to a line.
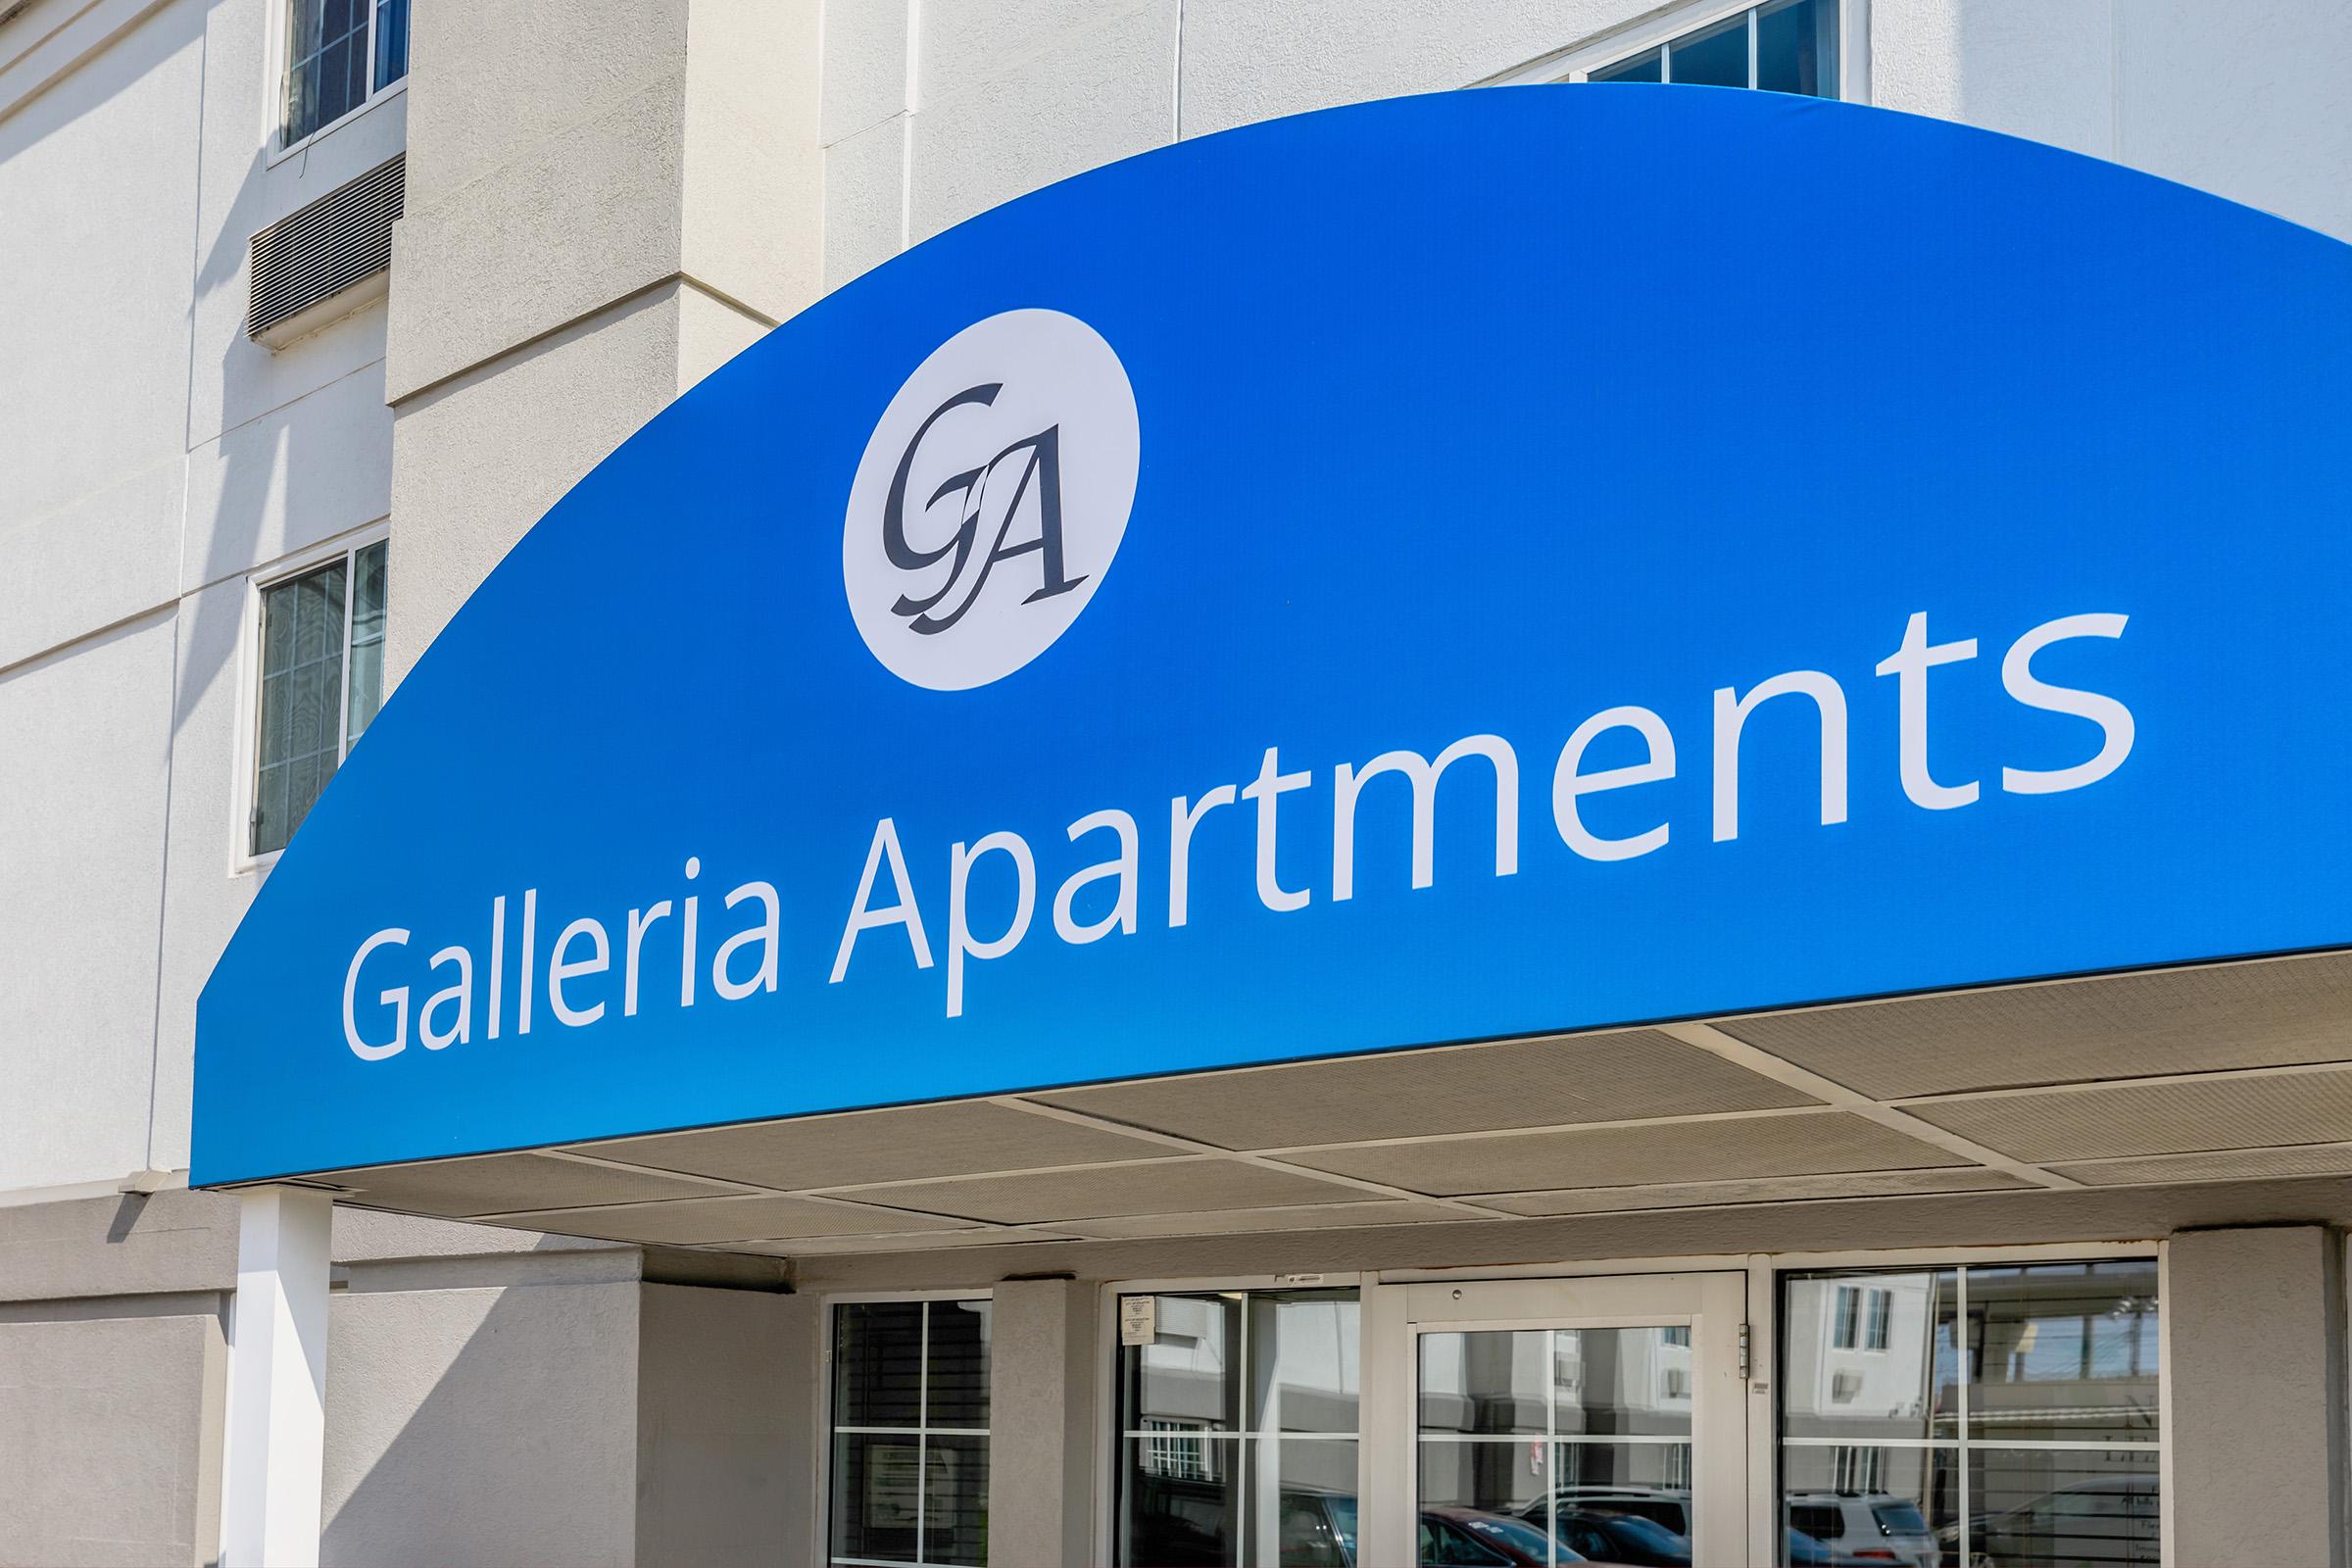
1561	1421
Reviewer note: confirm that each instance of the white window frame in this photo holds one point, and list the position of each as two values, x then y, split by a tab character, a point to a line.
281	51
243	861
1579	61
1763	1271
1765	1483
820	1539
1107	1374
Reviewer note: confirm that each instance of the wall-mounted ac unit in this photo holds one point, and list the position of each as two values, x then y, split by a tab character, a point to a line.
325	259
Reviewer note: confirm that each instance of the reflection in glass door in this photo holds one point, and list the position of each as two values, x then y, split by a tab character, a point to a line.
1574	1436
1563	1421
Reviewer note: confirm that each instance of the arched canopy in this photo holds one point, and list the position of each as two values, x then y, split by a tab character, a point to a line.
1452	568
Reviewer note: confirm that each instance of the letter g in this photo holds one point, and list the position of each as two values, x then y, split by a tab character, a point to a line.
397	999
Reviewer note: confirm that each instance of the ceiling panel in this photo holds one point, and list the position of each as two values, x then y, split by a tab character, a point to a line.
491	1184
927	1242
1626	1075
1779	1189
2282	1014
1164	1187
726	1219
1803	1144
880	1145
1313	1217
2250	1164
2193	1113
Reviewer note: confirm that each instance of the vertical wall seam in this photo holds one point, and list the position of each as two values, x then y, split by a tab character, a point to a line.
907	103
1176	90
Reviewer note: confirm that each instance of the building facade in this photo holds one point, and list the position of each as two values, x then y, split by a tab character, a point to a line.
320	305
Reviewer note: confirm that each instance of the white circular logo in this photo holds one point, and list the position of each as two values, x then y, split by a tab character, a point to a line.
991	499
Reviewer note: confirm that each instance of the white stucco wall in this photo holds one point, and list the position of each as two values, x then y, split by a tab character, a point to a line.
153	457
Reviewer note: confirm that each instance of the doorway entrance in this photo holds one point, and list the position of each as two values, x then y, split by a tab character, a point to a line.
1551	1419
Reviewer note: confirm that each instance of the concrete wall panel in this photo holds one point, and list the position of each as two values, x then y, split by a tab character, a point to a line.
721	1431
1013	97
2246	100
2255	1320
865	200
485	1427
2031	67
83	779
753	191
1247	61
109	1440
100	168
864	67
119	1246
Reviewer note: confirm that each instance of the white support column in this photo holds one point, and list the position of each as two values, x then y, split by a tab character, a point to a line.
273	1460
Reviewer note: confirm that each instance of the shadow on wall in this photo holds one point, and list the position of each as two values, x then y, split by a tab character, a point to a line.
563	1417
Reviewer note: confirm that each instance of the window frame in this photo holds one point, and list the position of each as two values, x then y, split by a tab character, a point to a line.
281	52
244	796
820	1517
1763	1271
1577	61
1108	1373
1769	1275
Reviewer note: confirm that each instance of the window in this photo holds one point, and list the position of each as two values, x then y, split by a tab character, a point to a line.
1238	1433
1785	46
321	682
910	1455
339	55
1848	1313
2013	1417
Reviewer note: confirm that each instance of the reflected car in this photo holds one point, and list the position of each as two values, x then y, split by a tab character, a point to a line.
2111	1520
1622	1537
1511	1539
1666	1506
1865	1527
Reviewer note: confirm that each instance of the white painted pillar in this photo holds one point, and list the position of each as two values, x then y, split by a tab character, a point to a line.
273	1460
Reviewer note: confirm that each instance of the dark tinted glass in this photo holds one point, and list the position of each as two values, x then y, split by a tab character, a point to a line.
1180	1499
1713	57
958	1372
391	42
1643	67
878	1364
955	1501
1796	49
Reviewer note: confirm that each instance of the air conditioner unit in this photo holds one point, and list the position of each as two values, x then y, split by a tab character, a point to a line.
326	259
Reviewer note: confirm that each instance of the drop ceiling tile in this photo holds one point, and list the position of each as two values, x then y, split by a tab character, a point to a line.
703	1221
1802	1144
928	1242
1313	1217
906	1144
1625	1075
2178	1117
1780	1190
2283	1014
2250	1164
492	1184
1162	1186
